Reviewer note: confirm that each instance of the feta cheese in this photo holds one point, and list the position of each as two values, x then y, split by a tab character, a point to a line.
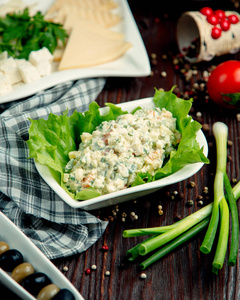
28	72
36	57
5	85
3	55
44	68
10	69
42	59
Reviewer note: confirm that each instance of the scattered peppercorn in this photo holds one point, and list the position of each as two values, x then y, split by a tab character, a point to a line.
65	268
205	127
105	248
143	276
189	203
93	267
88	271
234	181
191	184
107	273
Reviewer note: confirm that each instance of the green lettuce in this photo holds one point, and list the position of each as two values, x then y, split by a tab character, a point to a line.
51	140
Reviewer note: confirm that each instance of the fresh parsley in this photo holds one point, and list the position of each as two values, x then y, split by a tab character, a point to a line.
21	33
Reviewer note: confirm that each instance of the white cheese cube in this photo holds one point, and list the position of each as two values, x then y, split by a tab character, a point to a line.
9	68
13	74
5	85
3	55
28	72
44	68
21	61
7	63
35	57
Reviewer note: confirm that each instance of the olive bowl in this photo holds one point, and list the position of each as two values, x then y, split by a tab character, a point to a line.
16	239
131	192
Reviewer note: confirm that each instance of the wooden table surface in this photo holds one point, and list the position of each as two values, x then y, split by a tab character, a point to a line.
186	272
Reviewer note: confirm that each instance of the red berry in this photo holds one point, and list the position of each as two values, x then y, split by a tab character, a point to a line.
225	25
220	14
88	271
216	33
233	19
206	11
213	20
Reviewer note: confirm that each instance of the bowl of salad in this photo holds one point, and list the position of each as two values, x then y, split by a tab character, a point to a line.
106	156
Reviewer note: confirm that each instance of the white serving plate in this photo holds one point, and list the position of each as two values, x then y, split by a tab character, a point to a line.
16	239
135	62
132	192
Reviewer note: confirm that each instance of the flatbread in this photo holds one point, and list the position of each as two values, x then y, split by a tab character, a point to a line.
86	48
105	18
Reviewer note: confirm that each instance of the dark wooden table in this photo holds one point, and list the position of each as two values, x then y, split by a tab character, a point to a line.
186	272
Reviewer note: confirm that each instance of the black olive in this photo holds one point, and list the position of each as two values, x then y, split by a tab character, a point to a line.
64	294
35	282
10	259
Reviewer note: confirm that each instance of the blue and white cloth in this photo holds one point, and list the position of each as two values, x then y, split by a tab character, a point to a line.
57	229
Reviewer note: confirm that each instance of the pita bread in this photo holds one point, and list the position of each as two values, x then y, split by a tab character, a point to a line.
86	48
105	18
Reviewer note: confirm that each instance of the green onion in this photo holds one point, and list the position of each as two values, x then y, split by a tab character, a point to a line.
223	235
195	218
181	227
235	222
174	244
220	132
147	231
133	253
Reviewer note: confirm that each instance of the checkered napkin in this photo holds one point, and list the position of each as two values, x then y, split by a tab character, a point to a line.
56	228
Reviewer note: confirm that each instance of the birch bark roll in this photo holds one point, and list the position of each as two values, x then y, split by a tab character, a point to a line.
194	25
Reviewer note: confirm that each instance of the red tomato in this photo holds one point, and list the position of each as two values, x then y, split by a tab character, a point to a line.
225	79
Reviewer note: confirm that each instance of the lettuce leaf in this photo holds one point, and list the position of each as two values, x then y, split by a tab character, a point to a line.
51	140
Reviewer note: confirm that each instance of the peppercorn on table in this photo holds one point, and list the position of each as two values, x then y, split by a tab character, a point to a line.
103	271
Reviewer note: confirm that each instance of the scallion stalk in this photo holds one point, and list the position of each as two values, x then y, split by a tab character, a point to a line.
148	231
234	221
182	226
223	235
220	132
175	243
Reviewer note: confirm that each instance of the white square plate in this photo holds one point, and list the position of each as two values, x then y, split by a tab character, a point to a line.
135	62
132	192
16	239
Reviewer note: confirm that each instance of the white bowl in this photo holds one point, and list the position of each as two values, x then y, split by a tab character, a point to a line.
16	239
132	192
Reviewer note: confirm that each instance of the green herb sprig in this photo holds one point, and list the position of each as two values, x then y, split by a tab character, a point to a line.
21	33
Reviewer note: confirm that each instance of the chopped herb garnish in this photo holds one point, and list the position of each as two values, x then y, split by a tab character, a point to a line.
21	33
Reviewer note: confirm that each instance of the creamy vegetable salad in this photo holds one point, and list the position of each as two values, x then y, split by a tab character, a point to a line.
110	158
